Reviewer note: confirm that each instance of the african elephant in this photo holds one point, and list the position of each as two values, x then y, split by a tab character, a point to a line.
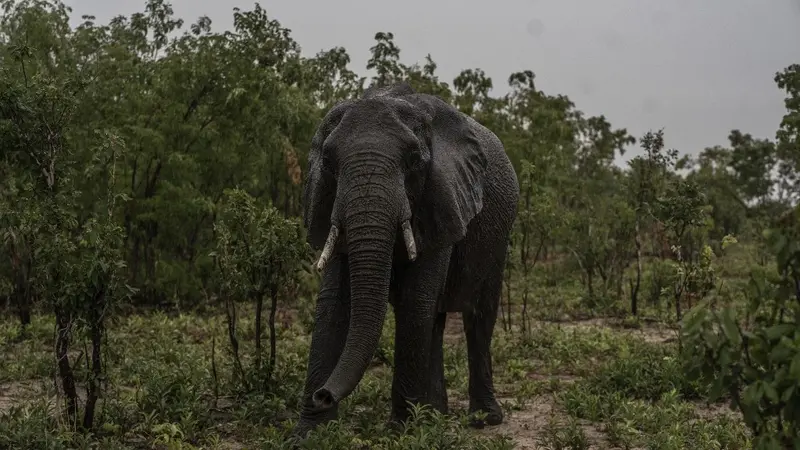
412	203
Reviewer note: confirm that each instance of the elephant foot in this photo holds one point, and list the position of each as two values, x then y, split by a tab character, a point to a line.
492	412
402	411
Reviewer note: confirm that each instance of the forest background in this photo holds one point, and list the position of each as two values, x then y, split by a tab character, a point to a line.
150	184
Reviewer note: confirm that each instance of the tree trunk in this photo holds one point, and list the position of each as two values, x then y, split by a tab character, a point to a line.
636	285
63	335
507	280
230	313
273	339
97	328
23	306
259	313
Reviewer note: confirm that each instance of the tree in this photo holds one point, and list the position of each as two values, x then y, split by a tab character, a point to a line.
385	60
538	221
424	79
752	162
472	88
74	253
683	212
646	183
331	79
788	135
259	253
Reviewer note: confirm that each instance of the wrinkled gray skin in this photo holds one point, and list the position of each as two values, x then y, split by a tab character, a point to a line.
375	162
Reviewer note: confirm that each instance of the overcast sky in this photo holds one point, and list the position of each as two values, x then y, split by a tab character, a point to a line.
697	68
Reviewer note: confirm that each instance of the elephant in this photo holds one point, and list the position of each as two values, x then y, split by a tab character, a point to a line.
412	203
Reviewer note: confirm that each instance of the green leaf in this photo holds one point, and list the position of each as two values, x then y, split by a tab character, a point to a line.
770	392
794	367
752	393
730	328
782	329
787	393
717	389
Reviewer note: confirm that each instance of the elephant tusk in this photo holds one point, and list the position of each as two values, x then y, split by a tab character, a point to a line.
408	236
327	251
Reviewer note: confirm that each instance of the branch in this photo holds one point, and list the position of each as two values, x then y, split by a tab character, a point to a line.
196	101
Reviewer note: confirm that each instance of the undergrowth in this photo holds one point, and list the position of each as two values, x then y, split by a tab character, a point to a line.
606	383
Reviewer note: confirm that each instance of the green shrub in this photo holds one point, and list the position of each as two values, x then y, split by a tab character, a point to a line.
754	358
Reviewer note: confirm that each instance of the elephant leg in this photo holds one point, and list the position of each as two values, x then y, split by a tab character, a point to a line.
437	392
415	314
479	327
331	322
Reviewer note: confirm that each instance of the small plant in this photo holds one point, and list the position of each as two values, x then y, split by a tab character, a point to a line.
560	436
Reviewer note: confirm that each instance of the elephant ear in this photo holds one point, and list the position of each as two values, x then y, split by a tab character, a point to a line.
454	186
319	187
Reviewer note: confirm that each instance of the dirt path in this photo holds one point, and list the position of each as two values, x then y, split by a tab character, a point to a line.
649	332
528	426
18	392
652	333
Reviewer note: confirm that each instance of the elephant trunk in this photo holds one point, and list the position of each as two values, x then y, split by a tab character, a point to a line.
370	228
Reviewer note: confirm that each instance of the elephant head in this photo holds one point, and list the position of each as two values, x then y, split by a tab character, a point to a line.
393	160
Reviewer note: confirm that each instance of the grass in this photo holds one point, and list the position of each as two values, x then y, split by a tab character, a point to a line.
598	382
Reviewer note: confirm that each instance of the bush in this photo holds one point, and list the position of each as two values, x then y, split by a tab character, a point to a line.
755	359
660	276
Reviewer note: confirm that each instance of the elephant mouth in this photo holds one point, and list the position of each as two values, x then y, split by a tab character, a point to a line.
333	235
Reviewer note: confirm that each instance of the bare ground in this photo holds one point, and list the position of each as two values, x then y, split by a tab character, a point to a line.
18	392
650	332
526	427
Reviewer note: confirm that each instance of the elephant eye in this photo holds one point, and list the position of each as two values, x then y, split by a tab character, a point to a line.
414	159
328	162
